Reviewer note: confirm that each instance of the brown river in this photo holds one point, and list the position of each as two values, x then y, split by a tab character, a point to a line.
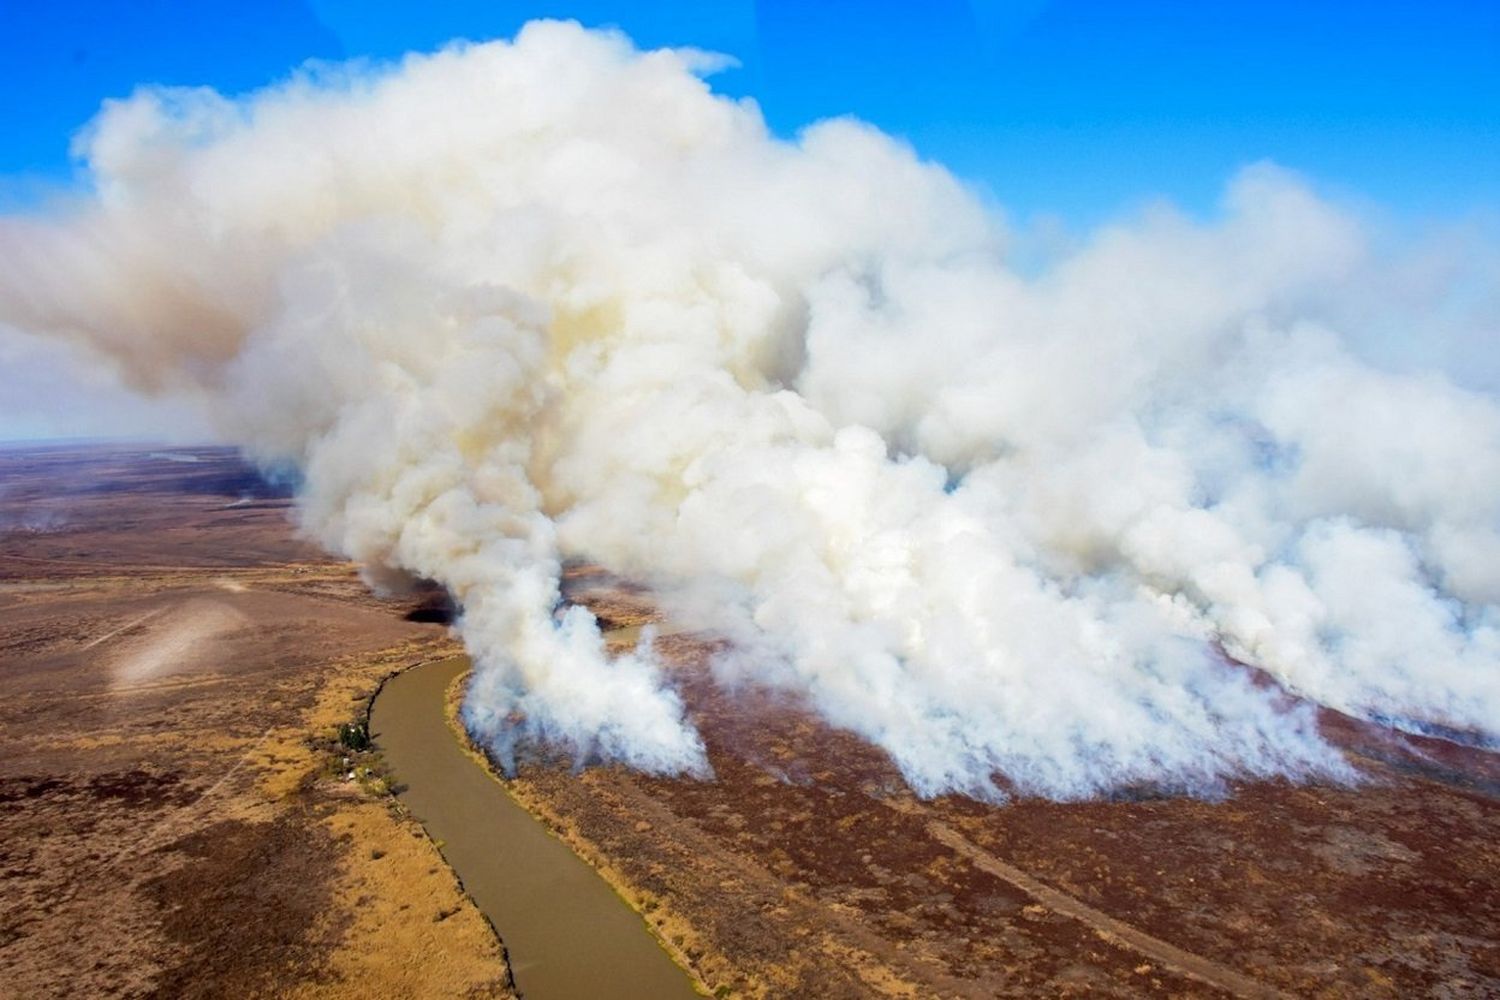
570	937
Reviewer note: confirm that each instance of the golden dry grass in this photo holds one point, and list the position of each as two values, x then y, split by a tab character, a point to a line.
409	929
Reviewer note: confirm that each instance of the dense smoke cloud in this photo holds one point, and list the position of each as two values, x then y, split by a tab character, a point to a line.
518	302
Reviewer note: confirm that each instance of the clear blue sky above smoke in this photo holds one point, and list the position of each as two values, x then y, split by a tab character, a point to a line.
1077	108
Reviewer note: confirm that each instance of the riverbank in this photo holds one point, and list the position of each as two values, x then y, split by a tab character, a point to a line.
410	928
671	933
567	933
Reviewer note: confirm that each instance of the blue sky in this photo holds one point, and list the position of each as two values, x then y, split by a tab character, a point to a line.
1074	108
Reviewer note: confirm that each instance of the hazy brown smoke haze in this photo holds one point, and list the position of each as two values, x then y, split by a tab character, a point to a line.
517	302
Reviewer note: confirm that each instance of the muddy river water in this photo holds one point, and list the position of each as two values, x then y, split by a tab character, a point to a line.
569	936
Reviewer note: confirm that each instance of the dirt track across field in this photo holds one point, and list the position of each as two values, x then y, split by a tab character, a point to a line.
1167	955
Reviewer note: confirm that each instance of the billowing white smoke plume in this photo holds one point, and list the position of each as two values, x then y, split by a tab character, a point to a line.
516	302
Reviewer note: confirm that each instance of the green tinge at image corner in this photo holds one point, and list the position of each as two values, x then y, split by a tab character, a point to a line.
568	934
